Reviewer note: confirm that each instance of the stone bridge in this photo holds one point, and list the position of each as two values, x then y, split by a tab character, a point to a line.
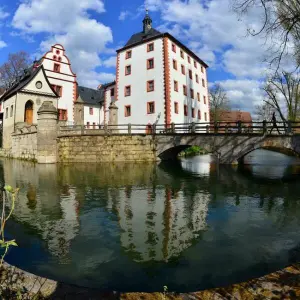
229	149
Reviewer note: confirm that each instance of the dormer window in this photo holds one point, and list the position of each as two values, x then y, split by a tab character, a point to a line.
56	68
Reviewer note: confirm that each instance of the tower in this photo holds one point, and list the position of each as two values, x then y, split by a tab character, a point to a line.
147	23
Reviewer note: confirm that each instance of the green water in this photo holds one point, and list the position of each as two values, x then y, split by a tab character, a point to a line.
189	225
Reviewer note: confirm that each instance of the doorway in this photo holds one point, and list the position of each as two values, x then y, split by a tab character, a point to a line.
28	117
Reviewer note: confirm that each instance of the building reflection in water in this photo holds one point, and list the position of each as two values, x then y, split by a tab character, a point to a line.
42	205
156	221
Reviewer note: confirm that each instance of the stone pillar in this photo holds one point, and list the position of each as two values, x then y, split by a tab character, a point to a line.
79	113
113	117
47	134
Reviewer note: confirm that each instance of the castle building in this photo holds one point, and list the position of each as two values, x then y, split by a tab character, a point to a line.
160	80
59	72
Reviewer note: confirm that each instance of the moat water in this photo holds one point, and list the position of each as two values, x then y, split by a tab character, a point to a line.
189	225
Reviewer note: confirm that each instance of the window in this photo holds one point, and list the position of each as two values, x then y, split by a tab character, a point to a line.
62	115
127	91
176	107
128	54
181	54
174	64
127	110
199	114
150	63
198	97
183	69
195	64
197	78
203	83
6	113
175	86
174	48
189	59
204	99
56	68
112	92
11	110
193	112
150	108
128	70
190	74
88	125
192	93
185	110
202	69
184	90
57	89
150	47
91	111
205	116
150	86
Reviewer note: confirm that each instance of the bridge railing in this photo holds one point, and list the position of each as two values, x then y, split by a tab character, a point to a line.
261	127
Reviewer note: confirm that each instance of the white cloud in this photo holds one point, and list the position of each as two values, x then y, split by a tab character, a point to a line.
124	14
243	94
3	14
93	79
110	62
2	44
83	37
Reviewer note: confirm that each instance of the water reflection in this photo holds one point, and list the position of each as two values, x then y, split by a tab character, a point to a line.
140	226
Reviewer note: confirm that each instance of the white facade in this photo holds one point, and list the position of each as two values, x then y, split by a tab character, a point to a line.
138	81
62	77
92	115
200	91
164	74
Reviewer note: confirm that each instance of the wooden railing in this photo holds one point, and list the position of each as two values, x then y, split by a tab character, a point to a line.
263	127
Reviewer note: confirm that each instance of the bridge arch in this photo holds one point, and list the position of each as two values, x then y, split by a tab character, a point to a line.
277	149
229	149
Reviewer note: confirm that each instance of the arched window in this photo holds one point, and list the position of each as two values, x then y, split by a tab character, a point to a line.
28	116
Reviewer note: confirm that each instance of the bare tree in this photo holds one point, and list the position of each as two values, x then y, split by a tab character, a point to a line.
283	95
281	20
14	67
263	111
218	101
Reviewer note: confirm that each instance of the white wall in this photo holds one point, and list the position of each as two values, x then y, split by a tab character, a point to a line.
94	118
65	78
138	81
185	80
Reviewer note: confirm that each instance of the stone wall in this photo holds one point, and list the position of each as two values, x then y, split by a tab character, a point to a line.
106	148
24	146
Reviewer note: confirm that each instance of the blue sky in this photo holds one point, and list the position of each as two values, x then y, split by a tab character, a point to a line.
91	31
